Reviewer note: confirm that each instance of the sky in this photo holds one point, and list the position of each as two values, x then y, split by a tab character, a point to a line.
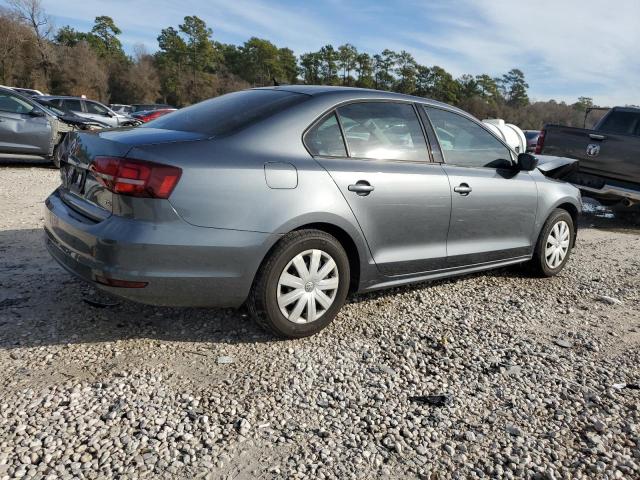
566	48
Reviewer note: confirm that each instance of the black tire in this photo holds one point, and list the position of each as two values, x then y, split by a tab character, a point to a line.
263	302
538	264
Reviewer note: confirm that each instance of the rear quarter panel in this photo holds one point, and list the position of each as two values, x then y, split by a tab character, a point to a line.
223	186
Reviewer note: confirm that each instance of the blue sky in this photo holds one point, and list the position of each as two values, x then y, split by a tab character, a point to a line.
567	48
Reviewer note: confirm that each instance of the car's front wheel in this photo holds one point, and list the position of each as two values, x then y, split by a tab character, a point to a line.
554	244
301	285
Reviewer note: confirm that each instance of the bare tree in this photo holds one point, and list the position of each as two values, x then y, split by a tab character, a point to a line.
32	13
11	37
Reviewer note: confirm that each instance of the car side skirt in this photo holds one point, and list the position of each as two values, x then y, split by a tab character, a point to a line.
440	274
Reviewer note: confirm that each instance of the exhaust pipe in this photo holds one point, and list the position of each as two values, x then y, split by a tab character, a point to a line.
627	202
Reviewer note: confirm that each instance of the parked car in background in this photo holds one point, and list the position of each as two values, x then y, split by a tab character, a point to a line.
27	91
31	130
287	198
609	155
148	115
139	107
82	123
90	109
532	139
121	108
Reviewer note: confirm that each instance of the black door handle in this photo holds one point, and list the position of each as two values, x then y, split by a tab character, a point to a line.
362	188
463	189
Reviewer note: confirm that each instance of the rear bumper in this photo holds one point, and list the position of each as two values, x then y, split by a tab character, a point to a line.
610	191
183	265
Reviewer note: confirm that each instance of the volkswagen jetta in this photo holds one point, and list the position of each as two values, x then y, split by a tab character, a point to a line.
288	198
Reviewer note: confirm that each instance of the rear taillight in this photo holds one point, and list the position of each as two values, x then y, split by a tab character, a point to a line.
540	142
136	178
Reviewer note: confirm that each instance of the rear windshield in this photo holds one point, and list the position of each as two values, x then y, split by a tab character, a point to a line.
531	134
621	122
228	113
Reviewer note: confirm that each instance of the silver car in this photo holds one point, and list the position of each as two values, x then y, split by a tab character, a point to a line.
288	198
90	109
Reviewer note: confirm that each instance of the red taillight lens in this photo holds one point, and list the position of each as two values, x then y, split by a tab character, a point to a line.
540	142
136	178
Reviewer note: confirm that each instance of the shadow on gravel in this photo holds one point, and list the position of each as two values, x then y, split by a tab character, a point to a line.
25	163
615	218
41	304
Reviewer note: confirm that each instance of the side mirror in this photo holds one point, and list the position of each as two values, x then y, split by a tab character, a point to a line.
527	162
36	112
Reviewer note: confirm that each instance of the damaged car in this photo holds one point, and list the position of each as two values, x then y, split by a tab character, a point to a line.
286	199
33	129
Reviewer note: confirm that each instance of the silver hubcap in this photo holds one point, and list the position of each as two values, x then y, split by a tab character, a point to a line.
308	286
557	244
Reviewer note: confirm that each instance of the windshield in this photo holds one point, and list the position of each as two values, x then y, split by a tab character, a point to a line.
49	106
228	113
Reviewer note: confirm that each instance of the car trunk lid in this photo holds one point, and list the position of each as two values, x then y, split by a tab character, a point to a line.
81	189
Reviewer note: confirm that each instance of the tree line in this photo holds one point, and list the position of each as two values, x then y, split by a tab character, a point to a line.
190	65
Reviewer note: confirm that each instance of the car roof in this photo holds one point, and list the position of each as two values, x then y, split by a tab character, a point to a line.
627	109
15	92
65	97
354	93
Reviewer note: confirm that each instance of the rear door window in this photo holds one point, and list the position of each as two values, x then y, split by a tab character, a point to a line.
73	105
383	130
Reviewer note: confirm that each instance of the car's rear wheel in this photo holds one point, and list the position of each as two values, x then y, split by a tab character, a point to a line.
554	244
302	285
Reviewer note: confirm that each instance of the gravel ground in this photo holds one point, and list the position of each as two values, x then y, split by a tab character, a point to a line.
489	376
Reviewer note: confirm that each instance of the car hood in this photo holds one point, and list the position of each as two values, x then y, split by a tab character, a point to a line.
556	167
78	120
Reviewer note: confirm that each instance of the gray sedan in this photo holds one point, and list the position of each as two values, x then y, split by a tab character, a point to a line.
288	198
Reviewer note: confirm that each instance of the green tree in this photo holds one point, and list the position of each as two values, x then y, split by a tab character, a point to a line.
488	88
440	85
69	37
202	53
170	59
347	55
329	69
364	69
104	38
288	66
383	65
259	62
468	86
311	68
406	69
583	103
515	88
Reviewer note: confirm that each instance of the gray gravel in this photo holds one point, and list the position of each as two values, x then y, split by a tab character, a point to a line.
92	388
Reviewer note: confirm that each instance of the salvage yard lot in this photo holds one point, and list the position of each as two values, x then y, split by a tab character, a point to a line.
91	386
